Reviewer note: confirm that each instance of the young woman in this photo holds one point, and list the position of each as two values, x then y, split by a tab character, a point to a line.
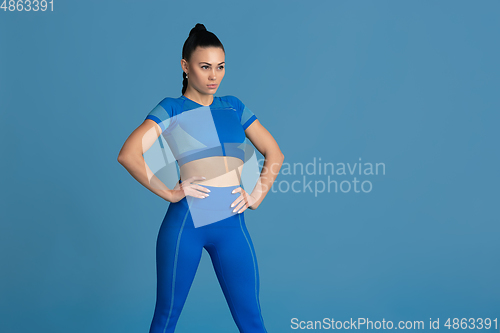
206	135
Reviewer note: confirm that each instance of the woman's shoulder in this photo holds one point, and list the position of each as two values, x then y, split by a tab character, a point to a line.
233	100
172	100
171	103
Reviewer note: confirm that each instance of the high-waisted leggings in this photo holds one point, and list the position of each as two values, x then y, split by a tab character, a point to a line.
189	226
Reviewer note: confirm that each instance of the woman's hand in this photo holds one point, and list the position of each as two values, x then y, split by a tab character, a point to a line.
186	188
243	202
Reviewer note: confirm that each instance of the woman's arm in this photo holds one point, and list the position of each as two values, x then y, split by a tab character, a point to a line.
267	146
130	156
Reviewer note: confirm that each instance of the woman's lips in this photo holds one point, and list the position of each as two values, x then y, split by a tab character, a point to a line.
212	86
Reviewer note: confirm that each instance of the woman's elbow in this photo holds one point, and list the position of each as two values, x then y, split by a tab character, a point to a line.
120	159
282	156
123	158
279	153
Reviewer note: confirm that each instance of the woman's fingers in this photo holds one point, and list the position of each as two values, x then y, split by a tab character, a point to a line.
238	203
201	188
238	199
197	186
195	190
240	208
241	203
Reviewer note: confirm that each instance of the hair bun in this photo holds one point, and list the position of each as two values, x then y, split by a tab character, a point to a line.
197	28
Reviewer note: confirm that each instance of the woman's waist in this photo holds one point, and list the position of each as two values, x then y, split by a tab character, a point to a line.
219	198
219	171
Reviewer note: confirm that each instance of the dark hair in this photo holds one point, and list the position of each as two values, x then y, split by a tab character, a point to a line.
198	36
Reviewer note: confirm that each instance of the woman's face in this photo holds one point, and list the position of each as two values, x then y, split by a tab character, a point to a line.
205	69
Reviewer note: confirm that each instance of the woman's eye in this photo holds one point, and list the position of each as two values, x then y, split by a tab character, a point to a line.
206	67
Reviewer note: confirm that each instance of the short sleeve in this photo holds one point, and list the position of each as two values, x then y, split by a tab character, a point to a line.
161	113
247	116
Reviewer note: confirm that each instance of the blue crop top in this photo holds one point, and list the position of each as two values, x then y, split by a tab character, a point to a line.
194	131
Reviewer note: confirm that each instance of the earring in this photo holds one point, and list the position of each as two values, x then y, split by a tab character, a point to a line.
186	75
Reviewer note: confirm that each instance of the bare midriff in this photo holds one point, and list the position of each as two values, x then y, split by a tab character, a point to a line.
219	171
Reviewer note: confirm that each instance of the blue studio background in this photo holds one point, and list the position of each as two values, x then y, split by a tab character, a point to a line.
409	84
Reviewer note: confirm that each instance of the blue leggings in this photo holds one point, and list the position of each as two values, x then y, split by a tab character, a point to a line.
178	252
